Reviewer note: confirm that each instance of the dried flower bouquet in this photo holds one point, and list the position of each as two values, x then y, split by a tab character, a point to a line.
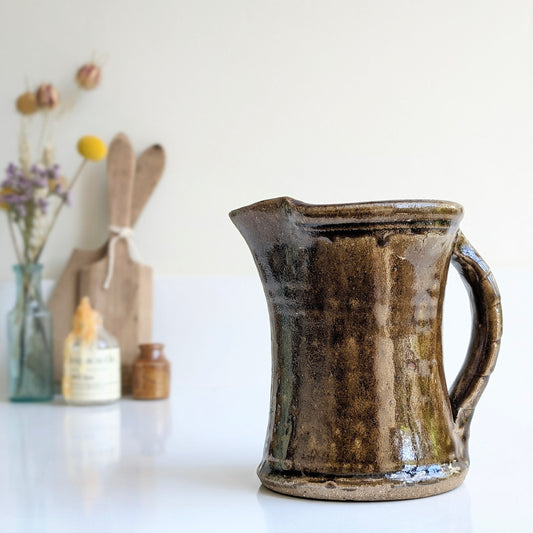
32	195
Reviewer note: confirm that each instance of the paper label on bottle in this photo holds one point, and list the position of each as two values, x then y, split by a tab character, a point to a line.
94	376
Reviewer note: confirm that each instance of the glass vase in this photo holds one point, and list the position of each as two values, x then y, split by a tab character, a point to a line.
29	337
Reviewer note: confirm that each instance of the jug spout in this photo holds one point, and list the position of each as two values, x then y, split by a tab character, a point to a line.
264	222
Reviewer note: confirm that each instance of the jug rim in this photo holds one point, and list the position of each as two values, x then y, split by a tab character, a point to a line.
366	212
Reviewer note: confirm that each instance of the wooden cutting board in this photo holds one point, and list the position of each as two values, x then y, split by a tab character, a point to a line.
67	294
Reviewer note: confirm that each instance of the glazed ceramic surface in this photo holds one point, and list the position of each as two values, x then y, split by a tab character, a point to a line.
360	408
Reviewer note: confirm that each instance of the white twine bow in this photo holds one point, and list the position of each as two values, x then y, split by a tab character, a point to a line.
125	233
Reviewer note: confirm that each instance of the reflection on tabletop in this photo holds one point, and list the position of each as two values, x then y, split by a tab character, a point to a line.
86	446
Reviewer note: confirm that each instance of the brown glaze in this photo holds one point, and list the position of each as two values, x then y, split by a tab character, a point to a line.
359	403
151	374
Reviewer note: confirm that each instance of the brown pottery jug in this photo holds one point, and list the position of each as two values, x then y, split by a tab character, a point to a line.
359	406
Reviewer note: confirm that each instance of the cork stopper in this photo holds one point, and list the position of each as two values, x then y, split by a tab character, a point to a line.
151	351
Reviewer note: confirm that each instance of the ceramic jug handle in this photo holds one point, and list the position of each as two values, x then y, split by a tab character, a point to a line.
486	333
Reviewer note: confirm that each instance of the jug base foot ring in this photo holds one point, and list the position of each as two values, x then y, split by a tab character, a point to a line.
361	488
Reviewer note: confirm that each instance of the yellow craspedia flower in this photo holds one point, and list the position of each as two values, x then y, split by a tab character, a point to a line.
91	147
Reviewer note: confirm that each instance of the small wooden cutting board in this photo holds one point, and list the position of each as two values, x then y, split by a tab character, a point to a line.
76	279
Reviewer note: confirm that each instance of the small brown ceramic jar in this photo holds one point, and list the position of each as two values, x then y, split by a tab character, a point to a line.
151	373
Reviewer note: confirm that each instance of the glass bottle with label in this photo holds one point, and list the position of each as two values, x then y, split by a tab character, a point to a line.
91	360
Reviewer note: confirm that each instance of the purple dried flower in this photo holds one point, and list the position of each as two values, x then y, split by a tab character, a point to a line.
9	183
39	182
42	203
12	199
39	170
54	172
11	170
23	192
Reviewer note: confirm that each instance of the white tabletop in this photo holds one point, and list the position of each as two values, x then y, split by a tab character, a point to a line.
188	463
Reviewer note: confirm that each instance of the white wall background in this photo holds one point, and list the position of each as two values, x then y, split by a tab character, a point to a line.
325	101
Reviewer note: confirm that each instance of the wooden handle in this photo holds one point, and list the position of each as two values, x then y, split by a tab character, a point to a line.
150	167
486	335
120	176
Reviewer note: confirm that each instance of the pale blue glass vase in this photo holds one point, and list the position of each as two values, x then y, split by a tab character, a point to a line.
30	341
